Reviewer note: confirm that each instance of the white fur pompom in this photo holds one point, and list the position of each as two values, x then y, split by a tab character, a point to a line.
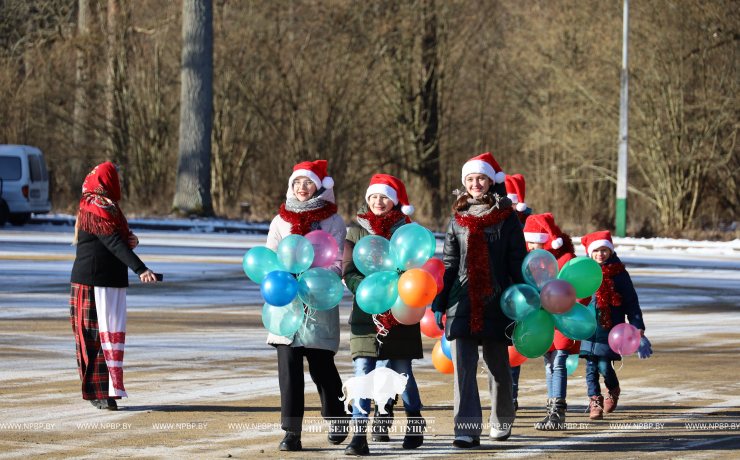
408	210
500	177
327	183
521	207
557	243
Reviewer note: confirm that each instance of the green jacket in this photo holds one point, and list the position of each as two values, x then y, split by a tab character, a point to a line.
402	342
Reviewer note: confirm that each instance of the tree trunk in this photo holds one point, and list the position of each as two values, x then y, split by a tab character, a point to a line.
81	99
430	107
193	188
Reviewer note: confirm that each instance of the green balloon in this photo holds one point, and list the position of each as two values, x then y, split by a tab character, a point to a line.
320	289
534	336
378	292
584	274
260	261
519	301
411	247
577	324
283	320
372	254
295	253
571	363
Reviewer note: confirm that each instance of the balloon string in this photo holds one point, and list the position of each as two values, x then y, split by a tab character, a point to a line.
620	367
382	331
309	315
512	331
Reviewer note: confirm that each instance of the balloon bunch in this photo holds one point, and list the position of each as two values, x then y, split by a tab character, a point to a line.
401	275
294	276
548	300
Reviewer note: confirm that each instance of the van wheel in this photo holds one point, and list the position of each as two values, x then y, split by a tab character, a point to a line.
4	212
19	219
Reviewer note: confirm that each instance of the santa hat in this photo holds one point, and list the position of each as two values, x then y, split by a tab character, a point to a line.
314	170
484	164
515	191
541	228
596	240
391	187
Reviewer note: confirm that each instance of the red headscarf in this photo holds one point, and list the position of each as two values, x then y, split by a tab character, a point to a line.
99	212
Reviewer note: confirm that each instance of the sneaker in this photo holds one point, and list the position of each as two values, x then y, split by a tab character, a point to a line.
612	398
466	442
500	435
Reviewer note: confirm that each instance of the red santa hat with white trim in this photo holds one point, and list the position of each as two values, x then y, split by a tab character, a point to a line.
391	187
515	191
596	240
484	164
314	170
541	228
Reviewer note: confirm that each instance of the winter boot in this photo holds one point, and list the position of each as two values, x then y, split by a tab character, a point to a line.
358	445
291	442
612	398
382	422
338	430
596	407
555	418
109	403
415	426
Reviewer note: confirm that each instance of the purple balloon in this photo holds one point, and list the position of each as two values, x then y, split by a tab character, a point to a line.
624	339
405	314
324	248
558	296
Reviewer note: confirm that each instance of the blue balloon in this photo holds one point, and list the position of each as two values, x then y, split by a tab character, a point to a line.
283	320
372	254
295	253
411	247
279	288
577	324
571	363
320	289
378	292
446	347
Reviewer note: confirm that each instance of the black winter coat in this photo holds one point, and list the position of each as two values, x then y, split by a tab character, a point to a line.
104	260
506	251
598	344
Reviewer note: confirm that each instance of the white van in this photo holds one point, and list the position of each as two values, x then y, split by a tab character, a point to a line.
24	184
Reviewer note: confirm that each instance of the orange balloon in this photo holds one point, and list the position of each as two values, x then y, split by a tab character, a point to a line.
441	362
515	358
417	288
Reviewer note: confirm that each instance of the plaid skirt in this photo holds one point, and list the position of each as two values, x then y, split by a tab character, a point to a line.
90	357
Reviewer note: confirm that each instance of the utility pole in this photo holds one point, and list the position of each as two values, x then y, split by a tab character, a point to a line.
621	224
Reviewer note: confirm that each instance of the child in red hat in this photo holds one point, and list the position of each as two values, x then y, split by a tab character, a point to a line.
615	299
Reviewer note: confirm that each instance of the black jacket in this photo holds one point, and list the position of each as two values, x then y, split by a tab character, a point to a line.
506	251
104	260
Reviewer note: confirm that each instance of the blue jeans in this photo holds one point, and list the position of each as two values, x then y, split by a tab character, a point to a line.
515	371
557	375
410	396
596	365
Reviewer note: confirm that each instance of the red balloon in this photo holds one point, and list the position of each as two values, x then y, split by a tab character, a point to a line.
429	327
515	358
441	362
417	288
436	268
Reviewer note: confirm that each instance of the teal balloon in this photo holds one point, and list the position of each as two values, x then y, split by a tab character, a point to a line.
411	247
320	289
433	245
378	292
283	320
571	363
520	301
534	336
577	324
539	267
295	252
372	254
584	274
260	261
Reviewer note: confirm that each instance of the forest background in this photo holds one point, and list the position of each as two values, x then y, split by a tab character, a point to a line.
411	88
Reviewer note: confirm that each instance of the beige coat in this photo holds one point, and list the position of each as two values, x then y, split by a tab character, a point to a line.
321	330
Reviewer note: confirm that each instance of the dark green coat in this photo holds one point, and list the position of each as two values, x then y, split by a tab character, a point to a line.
402	342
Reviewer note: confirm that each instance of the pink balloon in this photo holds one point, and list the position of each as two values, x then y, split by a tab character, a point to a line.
624	339
324	248
405	314
558	296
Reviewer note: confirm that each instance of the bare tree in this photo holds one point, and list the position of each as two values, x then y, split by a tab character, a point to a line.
81	92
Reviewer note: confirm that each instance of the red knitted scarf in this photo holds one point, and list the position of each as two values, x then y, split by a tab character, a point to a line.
301	221
99	213
478	271
382	225
605	296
